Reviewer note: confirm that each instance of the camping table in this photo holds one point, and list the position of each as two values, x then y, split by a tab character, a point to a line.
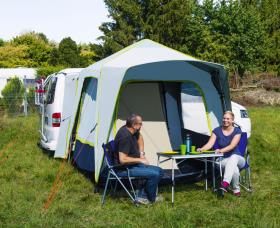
202	157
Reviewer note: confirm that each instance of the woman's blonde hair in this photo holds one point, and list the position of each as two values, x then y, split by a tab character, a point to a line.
229	112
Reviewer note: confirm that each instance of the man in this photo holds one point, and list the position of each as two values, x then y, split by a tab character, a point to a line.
130	147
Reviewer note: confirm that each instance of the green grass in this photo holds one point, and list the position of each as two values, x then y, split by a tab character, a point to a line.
27	175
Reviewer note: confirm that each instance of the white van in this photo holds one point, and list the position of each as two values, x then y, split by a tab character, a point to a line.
194	112
241	118
57	105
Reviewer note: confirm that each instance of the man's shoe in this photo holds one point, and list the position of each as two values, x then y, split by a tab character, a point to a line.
159	198
143	201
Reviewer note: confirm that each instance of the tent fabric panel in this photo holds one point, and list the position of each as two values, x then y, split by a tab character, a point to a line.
108	90
173	113
66	115
223	80
63	141
157	53
83	156
193	109
88	111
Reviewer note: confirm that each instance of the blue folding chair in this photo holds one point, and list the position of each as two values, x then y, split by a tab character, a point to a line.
116	172
245	179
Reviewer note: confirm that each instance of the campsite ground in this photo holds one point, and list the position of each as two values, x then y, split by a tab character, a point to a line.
27	176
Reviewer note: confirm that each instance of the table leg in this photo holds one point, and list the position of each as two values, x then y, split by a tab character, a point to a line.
213	174
221	174
173	182
206	187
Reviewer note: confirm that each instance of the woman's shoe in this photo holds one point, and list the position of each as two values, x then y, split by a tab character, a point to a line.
224	186
238	194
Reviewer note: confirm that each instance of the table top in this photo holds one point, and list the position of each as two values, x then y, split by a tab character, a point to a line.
179	156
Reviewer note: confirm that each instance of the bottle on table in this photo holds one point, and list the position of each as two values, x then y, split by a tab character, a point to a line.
188	143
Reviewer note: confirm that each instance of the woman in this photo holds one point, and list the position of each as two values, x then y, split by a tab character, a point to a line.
228	138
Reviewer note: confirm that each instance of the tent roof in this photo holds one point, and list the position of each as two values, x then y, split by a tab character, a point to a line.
143	52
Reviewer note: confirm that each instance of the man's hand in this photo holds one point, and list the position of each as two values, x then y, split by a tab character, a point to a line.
142	154
125	159
144	161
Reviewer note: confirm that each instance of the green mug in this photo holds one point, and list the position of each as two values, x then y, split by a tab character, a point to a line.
183	149
193	149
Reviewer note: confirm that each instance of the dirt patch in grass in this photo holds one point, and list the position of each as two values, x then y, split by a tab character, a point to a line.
256	97
257	90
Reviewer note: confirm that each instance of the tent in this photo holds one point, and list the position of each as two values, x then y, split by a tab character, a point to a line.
144	78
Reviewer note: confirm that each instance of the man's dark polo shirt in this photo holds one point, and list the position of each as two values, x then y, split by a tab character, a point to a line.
126	143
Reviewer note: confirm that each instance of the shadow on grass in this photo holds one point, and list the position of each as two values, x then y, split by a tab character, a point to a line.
49	153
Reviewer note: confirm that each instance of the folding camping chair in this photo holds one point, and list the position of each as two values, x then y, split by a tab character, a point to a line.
245	179
117	172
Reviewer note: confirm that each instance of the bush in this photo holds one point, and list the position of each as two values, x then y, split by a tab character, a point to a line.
2	108
31	100
13	95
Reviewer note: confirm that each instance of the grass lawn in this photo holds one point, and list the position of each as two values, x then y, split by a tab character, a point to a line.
27	176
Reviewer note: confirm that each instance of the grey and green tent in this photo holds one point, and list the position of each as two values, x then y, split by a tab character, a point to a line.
145	78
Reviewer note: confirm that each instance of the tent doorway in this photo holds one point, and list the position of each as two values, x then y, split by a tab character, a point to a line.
150	101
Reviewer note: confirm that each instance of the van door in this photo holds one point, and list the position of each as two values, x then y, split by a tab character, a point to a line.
52	114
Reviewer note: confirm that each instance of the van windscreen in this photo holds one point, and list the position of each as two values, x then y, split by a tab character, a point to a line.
50	90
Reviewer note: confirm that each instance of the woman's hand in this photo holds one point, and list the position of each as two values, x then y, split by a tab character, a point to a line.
218	151
198	149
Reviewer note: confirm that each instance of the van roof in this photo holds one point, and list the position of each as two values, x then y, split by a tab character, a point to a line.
70	70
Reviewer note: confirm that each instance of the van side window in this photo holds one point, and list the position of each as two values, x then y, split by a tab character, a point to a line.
51	90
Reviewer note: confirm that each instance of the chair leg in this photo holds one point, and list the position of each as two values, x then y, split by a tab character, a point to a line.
131	197
115	187
245	181
249	180
105	189
132	188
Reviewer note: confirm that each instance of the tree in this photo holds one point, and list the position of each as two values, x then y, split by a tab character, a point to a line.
270	15
125	28
2	42
225	31
171	23
15	56
38	48
87	55
13	95
247	39
68	53
162	21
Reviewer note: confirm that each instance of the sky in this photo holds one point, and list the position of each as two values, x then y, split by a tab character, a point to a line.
57	19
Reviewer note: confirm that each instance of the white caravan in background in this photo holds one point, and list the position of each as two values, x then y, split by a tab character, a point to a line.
57	104
194	112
